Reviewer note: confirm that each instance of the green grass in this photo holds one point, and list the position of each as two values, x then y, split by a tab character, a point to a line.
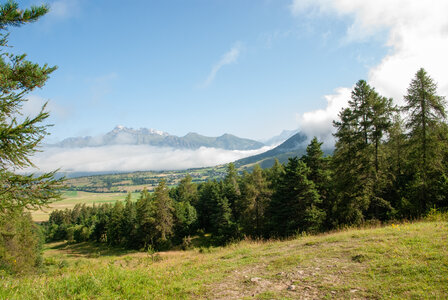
405	261
71	198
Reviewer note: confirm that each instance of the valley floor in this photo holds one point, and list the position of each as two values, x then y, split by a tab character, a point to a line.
408	260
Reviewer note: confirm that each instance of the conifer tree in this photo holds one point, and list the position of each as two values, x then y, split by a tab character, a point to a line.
319	166
223	229
356	162
163	214
255	198
274	173
114	225
295	204
19	139
144	219
320	175
186	191
231	188
208	191
425	115
128	227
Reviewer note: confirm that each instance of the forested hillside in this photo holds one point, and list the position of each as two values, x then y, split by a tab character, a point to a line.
389	163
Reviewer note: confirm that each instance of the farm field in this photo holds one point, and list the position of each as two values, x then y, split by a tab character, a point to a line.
399	261
111	188
71	198
137	181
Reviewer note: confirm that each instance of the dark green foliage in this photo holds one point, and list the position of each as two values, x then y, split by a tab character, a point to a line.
231	189
223	228
20	246
115	233
128	223
294	206
320	174
254	200
19	137
359	171
163	214
425	121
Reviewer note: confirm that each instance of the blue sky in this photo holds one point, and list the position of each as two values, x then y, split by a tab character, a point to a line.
247	67
146	64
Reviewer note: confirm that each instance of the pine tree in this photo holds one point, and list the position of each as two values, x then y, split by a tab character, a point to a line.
185	194
319	166
320	175
274	174
144	220
295	204
114	234
207	192
357	163
186	191
19	138
231	189
163	214
254	200
129	222
223	227
425	112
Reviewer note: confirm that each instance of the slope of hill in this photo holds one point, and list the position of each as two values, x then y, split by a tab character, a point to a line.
121	135
294	146
404	261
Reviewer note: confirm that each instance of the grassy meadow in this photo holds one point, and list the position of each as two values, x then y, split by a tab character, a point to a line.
399	261
71	198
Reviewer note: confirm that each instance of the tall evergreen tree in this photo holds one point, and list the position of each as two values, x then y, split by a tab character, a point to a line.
295	203
274	174
223	229
19	138
356	160
319	166
425	116
231	189
128	227
185	194
320	175
144	219
114	225
255	198
163	214
397	171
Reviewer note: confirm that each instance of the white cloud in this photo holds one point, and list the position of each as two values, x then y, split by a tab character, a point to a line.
228	58
417	37
319	122
133	158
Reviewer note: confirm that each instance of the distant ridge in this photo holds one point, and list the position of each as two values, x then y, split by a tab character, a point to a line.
121	135
294	146
283	136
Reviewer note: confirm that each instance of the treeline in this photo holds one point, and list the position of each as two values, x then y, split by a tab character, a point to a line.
389	162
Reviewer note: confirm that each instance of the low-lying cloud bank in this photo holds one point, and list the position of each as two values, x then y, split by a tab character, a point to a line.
133	158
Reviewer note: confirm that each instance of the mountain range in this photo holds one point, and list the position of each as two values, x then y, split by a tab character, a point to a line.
278	139
121	135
